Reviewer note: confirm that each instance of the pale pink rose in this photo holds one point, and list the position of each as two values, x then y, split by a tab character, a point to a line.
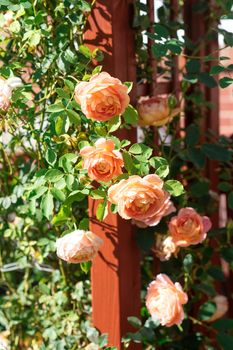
222	307
78	246
155	111
5	94
164	247
141	199
9	18
164	301
103	97
188	227
102	161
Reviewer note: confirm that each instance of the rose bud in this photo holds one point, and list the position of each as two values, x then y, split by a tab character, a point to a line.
155	111
78	246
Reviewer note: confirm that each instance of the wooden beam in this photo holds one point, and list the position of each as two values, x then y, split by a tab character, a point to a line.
115	273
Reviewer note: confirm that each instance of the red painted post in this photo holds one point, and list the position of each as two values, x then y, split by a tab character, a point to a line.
116	271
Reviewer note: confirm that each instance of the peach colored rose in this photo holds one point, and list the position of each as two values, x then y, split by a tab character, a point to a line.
103	97
221	307
188	227
78	246
164	301
164	247
155	111
5	94
102	161
141	199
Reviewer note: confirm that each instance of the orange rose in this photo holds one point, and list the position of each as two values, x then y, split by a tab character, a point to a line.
164	301
5	94
141	199
102	161
103	97
188	227
78	246
221	307
164	247
155	111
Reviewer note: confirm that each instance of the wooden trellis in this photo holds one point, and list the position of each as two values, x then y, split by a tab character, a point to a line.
116	271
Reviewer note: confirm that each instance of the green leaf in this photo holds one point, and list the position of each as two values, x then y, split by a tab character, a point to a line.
223	324
216	152
53	175
57	107
224	186
85	51
128	162
227	254
85	266
225	82
50	156
75	196
216	273
193	66
174	187
161	30
62	93
207	310
98	194
192	135
208	80
38	192
130	115
47	205
140	148
102	210
58	194
134	321
129	85
216	70
64	215
62	125
230	200
197	157
84	224
114	124
74	117
67	161
69	84
157	162
225	340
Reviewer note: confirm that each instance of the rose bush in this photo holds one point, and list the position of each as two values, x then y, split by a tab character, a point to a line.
58	148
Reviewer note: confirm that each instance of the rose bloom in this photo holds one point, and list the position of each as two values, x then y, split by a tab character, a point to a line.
164	301
164	247
141	199
102	161
221	307
188	227
155	111
5	94
103	97
9	18
78	246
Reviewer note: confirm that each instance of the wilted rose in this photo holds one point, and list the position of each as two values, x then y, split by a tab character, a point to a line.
102	161
6	87
165	300
164	247
155	111
141	199
78	246
188	227
103	97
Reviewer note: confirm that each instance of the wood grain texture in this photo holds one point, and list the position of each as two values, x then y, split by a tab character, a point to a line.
116	270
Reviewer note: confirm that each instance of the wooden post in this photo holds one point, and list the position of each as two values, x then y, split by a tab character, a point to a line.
115	273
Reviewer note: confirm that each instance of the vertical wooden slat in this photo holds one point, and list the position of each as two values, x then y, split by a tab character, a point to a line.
116	271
